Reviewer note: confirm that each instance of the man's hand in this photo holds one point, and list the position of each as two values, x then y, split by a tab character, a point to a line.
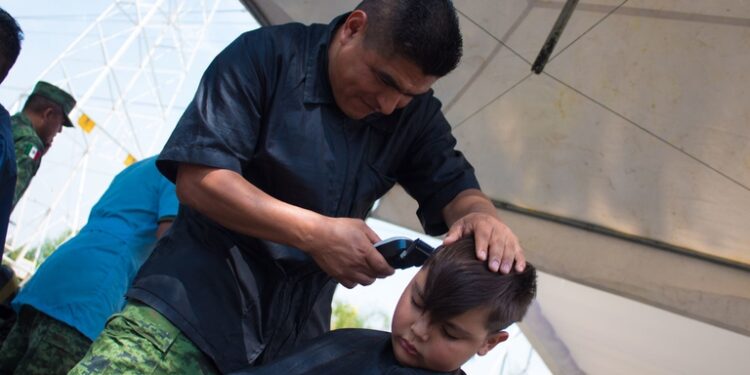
343	249
471	213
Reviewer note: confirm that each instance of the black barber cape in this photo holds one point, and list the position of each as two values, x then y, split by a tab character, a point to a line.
342	352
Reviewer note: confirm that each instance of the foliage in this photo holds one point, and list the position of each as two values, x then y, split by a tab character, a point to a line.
346	315
46	248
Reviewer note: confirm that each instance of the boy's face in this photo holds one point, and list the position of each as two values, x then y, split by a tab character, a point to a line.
417	342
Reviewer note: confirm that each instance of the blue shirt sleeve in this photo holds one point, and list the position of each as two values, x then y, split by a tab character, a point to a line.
168	202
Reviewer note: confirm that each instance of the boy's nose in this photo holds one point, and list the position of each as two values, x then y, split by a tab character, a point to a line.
421	328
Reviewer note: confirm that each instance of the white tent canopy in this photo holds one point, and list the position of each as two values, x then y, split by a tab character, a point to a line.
624	166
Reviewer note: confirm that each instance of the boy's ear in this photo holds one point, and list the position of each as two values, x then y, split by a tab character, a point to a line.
491	341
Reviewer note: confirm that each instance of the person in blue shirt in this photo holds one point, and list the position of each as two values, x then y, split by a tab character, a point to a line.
67	302
10	46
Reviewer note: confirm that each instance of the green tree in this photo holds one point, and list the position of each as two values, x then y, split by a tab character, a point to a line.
345	315
46	248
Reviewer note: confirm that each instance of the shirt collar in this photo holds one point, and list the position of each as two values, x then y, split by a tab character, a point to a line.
317	85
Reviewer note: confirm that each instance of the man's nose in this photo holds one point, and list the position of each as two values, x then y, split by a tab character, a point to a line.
388	102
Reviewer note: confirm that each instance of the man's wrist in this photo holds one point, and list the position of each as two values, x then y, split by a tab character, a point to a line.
311	227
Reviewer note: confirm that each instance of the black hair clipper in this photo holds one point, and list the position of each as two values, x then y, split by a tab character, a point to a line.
402	252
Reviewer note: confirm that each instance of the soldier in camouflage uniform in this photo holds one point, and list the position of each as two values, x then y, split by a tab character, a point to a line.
43	116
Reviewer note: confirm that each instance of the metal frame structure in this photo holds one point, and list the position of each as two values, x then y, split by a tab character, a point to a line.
126	70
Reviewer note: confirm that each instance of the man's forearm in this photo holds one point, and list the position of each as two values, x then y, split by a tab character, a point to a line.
342	247
467	202
230	200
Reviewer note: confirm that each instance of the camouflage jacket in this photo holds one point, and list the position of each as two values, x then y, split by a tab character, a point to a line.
29	151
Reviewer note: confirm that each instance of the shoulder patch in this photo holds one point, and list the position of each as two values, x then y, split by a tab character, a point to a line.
33	152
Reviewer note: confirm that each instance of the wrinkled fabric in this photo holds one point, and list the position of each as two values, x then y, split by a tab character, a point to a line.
29	150
7	174
141	341
342	352
264	109
84	281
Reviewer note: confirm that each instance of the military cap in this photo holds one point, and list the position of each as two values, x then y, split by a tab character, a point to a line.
58	96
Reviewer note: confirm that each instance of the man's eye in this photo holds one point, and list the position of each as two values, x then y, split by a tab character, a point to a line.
383	80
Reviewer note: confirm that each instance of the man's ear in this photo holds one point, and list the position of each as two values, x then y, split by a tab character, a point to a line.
491	341
355	24
48	113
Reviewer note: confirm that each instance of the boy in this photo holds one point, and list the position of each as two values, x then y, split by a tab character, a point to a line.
453	308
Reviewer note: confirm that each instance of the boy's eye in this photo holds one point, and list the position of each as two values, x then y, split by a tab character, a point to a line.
416	304
448	335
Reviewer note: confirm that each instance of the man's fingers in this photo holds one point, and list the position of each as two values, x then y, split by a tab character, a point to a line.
347	284
377	263
495	254
367	281
454	233
357	279
483	244
509	253
371	235
520	259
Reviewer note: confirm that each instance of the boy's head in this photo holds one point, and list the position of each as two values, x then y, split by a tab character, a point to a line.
455	307
10	42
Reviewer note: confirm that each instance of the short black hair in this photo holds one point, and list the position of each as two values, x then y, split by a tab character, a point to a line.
36	103
10	39
425	32
458	282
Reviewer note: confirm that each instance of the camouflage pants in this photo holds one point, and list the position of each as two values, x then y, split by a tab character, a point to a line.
40	344
139	340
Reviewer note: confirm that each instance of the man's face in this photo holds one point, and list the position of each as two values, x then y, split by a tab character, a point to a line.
51	124
418	342
365	82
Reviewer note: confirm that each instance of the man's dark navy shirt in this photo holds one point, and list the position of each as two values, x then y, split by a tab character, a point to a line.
264	109
7	174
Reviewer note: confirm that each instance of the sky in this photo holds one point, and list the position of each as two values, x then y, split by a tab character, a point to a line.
80	165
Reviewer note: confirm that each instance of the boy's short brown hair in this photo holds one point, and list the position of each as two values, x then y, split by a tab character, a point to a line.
458	282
